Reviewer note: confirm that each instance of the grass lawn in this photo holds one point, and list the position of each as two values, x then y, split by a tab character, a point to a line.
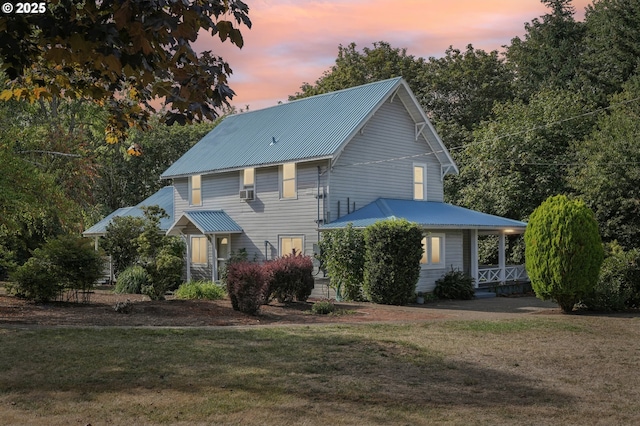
565	369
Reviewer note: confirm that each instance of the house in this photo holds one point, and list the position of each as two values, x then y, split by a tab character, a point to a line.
271	180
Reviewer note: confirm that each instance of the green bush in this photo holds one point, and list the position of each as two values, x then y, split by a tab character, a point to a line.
132	280
289	277
454	285
618	286
392	261
342	253
200	290
563	251
64	263
34	281
323	307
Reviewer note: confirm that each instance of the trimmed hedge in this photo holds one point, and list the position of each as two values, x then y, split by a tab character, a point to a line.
289	277
247	286
342	254
392	261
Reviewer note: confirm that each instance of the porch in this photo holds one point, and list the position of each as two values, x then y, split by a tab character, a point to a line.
500	273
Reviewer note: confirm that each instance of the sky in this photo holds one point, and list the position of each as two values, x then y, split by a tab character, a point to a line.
295	41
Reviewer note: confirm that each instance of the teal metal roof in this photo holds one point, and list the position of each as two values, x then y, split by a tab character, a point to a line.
162	198
207	222
427	214
308	128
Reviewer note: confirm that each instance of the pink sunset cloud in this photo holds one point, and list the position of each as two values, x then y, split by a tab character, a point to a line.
295	41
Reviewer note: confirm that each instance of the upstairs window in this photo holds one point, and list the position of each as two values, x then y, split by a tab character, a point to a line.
196	190
419	181
288	189
433	250
248	178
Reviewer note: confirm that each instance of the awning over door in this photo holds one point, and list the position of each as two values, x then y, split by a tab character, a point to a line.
205	221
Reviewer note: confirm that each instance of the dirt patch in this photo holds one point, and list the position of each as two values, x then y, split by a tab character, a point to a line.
100	310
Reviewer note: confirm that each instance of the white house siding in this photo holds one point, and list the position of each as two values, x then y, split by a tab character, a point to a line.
454	258
266	217
363	173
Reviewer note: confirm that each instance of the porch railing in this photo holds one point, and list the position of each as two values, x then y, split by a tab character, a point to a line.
491	274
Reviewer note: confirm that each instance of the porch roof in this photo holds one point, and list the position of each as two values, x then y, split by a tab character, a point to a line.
163	198
427	214
206	221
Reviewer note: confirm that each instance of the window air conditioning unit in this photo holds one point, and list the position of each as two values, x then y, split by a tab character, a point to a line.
246	194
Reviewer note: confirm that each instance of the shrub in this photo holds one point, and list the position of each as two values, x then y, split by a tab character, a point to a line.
342	255
392	261
200	290
289	277
132	280
246	286
563	251
455	285
64	263
33	281
323	307
618	286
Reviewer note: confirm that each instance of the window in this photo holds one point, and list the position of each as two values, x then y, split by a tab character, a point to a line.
288	189
196	190
248	178
289	243
433	250
419	181
199	250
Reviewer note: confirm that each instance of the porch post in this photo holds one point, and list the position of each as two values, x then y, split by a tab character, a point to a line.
474	256
501	258
214	253
188	243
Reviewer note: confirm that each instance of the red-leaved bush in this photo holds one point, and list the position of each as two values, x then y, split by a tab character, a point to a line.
247	286
289	277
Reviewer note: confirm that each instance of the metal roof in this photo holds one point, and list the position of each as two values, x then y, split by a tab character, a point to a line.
207	222
162	198
428	214
310	128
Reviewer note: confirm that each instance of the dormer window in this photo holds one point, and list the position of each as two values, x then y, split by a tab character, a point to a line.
195	190
288	188
419	181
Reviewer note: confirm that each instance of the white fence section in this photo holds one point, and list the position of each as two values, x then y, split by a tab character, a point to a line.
491	274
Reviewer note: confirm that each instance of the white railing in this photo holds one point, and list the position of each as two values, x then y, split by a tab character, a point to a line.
491	274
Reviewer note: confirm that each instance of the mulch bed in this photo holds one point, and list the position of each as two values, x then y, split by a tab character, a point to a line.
100	311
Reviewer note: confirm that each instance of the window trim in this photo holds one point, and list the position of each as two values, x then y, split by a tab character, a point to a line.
283	180
423	166
290	236
427	263
206	247
192	188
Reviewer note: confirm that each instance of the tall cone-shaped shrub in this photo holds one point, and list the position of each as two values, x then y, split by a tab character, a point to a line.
563	251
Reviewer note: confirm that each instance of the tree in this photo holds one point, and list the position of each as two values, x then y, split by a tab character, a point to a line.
520	158
125	180
550	54
563	251
607	173
612	45
353	68
123	55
